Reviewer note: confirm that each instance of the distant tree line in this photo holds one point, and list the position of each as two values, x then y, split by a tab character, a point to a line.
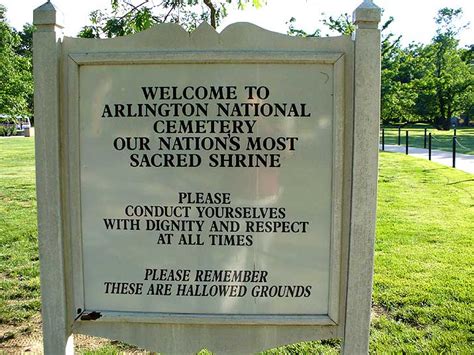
429	83
421	83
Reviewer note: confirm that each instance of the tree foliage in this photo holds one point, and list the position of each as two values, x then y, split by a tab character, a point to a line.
420	83
447	81
131	16
298	32
341	24
16	80
428	83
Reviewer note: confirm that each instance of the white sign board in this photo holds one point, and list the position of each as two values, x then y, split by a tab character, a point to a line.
206	190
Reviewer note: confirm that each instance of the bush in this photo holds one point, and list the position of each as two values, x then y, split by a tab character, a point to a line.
7	130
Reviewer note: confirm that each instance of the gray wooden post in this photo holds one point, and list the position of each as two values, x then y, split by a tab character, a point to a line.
57	323
364	180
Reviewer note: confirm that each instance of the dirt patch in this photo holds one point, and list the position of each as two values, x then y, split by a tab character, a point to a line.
378	311
28	338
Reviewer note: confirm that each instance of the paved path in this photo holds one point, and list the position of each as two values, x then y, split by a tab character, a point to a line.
464	162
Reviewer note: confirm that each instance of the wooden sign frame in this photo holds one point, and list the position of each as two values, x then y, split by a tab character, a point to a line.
356	64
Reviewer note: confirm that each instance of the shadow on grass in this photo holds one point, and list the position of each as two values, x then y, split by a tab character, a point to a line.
441	168
460	181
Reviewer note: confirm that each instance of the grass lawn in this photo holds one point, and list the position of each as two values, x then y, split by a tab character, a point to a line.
19	265
424	258
423	293
441	140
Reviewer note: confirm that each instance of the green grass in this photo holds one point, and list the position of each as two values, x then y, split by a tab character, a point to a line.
424	257
19	265
441	140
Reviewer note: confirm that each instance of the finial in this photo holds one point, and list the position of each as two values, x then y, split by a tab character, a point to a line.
48	15
367	15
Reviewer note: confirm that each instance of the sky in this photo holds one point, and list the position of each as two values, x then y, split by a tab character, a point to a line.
413	18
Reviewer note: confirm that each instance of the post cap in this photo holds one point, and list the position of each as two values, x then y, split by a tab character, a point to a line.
48	14
367	15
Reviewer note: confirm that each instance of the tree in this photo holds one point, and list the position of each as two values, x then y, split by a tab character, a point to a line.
297	32
25	47
341	24
16	80
428	83
447	77
397	93
127	17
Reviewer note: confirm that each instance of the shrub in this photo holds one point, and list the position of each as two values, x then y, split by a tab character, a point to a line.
7	130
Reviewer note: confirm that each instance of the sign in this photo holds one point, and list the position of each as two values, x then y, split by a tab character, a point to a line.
205	185
203	182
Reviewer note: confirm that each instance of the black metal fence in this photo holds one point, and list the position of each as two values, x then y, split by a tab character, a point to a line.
427	142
